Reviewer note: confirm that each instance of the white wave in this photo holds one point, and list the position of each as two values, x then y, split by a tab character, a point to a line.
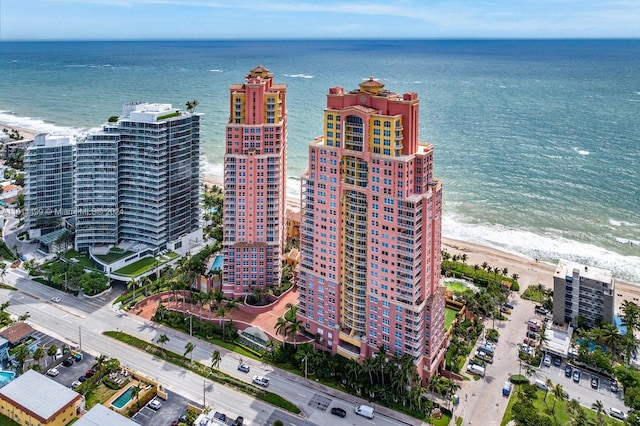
637	93
298	75
215	70
618	223
581	151
35	124
547	247
627	241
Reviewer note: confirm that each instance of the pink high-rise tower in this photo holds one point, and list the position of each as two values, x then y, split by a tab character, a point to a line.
254	184
370	231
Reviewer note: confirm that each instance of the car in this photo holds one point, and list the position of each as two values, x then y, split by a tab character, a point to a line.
237	422
182	418
53	372
484	357
337	411
90	372
475	361
175	423
56	299
75	384
261	381
68	362
541	310
154	404
508	305
505	310
595	382
568	370
576	376
82	379
557	361
617	414
244	367
614	387
220	416
546	361
532	335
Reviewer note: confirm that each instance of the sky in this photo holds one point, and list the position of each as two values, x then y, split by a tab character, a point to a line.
316	19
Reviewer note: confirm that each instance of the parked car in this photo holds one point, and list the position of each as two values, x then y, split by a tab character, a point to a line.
532	335
595	382
547	361
90	372
75	384
261	381
576	376
337	411
506	389
244	367
56	299
557	361
508	305
53	372
82	379
475	361
614	387
567	371
540	384
617	414
541	310
68	362
220	416
505	310
484	357
237	422
154	404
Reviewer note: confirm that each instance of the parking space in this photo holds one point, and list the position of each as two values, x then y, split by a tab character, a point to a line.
170	410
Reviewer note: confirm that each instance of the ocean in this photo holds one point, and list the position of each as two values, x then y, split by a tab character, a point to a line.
536	140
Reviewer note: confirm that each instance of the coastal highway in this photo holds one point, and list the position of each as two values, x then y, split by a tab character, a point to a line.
81	321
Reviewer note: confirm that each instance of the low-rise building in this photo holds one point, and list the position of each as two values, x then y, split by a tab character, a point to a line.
100	415
582	291
35	399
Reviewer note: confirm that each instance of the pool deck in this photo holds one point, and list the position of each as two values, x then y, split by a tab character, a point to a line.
133	382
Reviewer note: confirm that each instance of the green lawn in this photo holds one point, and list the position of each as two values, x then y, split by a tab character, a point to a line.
171	254
82	259
449	316
138	267
457	287
562	417
113	256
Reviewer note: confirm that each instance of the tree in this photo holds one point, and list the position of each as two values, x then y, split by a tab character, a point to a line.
21	357
215	360
38	354
100	359
132	284
51	351
189	347
599	408
558	395
549	384
191	105
162	340
281	327
293	329
135	392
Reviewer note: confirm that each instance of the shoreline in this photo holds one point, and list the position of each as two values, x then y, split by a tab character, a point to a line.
530	272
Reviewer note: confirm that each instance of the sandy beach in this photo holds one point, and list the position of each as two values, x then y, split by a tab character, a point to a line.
529	271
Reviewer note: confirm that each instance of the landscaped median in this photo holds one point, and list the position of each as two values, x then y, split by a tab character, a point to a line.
204	371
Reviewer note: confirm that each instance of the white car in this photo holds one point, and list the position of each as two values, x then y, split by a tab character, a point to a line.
75	384
154	404
56	299
547	361
53	372
261	381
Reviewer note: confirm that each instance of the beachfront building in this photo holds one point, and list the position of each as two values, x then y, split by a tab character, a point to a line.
254	184
582	291
138	181
369	274
49	168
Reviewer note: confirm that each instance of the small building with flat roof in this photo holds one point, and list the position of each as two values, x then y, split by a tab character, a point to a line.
35	399
100	415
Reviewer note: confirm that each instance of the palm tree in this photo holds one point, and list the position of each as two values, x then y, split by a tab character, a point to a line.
549	384
558	394
450	388
215	360
132	284
599	408
52	351
135	392
189	347
610	336
230	306
38	354
580	418
281	327
573	406
21	357
162	339
515	277
630	315
293	329
100	360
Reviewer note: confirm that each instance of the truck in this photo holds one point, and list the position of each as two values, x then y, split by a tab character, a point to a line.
476	369
364	411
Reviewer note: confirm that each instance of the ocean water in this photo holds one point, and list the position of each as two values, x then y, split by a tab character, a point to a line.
537	142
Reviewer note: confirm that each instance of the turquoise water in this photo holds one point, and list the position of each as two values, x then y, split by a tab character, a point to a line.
6	377
536	140
124	398
217	263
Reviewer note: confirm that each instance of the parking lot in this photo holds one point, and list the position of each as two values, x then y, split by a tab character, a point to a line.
171	409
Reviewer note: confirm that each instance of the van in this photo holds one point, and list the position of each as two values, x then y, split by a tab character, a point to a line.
618	414
476	369
540	384
364	411
487	349
506	388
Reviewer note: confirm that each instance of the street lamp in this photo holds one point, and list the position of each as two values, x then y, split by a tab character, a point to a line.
190	323
305	366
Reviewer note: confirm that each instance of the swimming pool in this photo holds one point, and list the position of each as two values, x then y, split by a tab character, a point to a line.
124	398
6	377
217	263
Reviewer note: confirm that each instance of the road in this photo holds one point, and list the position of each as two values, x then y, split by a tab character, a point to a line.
81	321
482	403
